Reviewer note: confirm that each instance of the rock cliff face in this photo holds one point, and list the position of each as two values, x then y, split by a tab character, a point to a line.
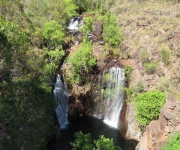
157	131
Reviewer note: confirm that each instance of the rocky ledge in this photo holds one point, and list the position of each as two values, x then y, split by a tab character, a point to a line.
156	133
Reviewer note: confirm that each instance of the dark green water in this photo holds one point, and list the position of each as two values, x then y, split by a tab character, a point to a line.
96	127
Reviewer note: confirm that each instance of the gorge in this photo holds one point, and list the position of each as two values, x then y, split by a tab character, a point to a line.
107	110
125	52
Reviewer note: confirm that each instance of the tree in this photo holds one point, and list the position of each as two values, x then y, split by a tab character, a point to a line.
173	142
85	142
111	32
82	61
26	102
148	106
53	34
42	11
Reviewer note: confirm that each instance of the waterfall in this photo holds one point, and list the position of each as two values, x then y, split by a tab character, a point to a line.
75	24
61	96
112	96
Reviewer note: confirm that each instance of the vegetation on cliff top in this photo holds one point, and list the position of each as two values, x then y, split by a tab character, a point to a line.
148	106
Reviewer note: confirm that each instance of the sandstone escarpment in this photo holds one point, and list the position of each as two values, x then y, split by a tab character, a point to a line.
156	133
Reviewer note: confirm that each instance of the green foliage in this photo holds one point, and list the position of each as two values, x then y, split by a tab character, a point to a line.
54	34
150	67
164	84
48	60
87	26
27	114
144	56
103	5
82	141
26	101
148	106
13	32
127	71
82	61
48	10
109	93
173	142
165	56
83	6
85	142
105	144
106	77
111	31
139	87
130	94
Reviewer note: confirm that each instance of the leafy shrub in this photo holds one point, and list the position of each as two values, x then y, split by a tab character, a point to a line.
148	106
173	142
85	142
111	31
53	33
106	77
82	61
87	26
82	141
82	5
139	87
127	71
144	56
165	56
130	94
151	67
105	144
164	84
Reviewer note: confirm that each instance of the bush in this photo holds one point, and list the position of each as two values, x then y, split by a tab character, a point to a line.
148	106
150	68
82	61
53	34
87	26
139	87
85	142
111	31
165	56
173	142
127	71
144	56
130	94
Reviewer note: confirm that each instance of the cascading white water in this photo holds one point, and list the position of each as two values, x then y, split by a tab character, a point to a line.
112	98
75	24
61	96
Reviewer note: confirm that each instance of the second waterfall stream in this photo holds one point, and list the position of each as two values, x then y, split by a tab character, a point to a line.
112	96
61	97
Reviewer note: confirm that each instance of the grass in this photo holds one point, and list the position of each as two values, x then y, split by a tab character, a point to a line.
150	67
